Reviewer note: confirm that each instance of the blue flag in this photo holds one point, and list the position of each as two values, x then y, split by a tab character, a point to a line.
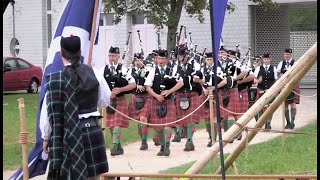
76	19
218	8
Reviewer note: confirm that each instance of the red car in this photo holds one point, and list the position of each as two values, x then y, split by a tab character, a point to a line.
19	74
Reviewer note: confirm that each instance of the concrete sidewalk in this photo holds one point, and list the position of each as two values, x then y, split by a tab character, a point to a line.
136	161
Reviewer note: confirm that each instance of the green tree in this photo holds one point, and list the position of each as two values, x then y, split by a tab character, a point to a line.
168	12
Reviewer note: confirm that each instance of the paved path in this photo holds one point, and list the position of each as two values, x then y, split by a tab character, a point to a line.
137	161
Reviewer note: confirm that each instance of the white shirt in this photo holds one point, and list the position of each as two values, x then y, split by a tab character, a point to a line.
280	66
256	71
104	95
150	77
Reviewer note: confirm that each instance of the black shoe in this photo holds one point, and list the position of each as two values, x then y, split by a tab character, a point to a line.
287	126
239	137
114	151
156	141
267	126
189	146
209	144
144	145
176	138
120	150
161	152
292	125
166	151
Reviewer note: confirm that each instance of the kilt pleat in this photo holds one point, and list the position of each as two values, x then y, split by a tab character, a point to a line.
194	103
94	150
116	119
144	111
234	103
205	111
169	117
243	101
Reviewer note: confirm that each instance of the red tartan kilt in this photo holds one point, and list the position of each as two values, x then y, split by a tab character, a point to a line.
117	119
234	103
205	112
297	97
170	116
244	103
144	111
194	103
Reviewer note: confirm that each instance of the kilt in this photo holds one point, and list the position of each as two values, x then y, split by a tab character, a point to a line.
169	117
205	111
194	103
144	111
234	103
94	150
243	101
117	119
254	98
297	97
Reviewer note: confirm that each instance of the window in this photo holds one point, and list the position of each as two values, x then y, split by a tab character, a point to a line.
49	29
12	63
101	21
109	19
23	65
137	19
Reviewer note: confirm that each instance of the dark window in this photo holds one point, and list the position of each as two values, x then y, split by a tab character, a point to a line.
101	22
12	64
23	65
110	19
49	29
137	19
48	5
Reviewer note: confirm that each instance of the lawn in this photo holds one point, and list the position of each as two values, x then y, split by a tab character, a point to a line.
298	157
11	127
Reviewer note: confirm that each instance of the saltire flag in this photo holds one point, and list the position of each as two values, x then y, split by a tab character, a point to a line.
218	8
75	19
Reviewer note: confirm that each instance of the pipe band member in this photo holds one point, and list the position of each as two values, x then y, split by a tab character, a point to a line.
69	125
292	99
121	83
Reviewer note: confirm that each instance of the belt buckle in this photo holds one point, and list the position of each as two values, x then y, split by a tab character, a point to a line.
87	125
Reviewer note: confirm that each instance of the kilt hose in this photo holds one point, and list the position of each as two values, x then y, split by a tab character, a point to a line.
194	99
233	105
117	119
258	96
144	111
169	117
243	101
94	150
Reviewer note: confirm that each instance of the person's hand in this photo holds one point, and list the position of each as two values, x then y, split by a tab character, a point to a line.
205	92
160	98
45	146
196	79
141	88
165	93
211	88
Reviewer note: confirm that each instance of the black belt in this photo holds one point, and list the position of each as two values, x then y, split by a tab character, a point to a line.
89	122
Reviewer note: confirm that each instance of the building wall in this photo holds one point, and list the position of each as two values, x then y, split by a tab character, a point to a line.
29	30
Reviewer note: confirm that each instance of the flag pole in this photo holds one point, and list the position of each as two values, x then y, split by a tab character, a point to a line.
23	139
93	30
216	90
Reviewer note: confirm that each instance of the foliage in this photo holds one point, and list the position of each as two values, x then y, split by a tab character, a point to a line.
303	19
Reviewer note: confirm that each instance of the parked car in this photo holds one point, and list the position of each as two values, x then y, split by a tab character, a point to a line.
19	74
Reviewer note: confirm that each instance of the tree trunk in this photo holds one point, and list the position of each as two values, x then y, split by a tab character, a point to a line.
173	21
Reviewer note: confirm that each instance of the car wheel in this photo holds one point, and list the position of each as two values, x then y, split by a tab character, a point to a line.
33	86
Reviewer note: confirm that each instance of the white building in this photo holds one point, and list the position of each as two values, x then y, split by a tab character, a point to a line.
34	21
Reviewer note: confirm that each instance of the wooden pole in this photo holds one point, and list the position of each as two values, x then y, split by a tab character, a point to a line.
212	127
93	31
283	107
308	58
23	139
273	107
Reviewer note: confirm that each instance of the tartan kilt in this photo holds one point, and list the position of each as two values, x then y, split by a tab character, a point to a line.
94	150
194	103
234	103
144	111
205	111
117	119
169	117
297	97
244	102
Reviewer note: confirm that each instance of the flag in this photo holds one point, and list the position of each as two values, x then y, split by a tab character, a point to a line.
218	9
76	19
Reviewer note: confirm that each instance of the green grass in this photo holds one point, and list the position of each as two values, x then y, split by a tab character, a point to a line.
298	157
11	127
